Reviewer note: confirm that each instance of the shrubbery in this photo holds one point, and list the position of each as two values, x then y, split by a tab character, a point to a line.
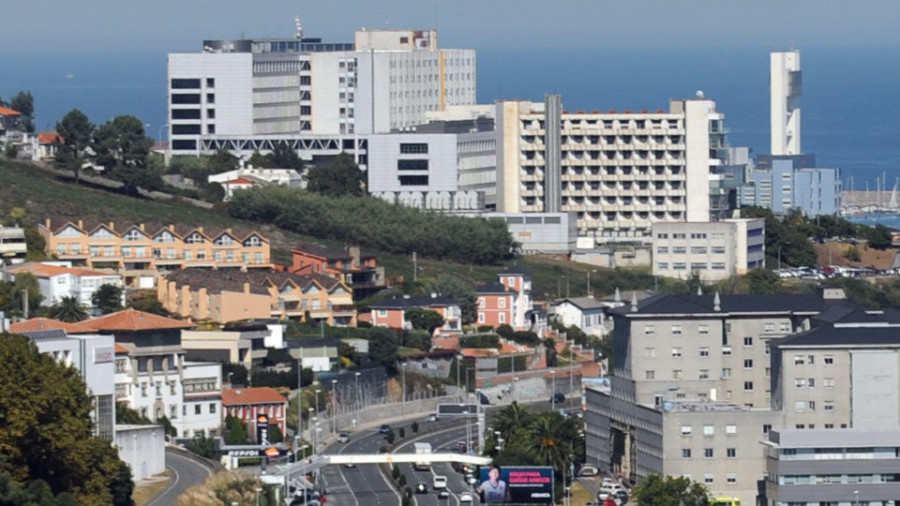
373	223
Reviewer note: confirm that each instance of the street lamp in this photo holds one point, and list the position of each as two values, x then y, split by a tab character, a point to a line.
229	378
588	293
358	404
856	498
403	388
159	132
258	490
334	406
310	423
515	390
458	367
553	390
318	391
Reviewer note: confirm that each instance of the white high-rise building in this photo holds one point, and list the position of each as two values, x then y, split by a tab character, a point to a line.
786	87
250	94
617	172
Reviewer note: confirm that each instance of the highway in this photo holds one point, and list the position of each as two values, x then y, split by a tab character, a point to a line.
186	472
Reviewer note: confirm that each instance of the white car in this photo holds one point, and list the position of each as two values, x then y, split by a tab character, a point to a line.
439	483
588	471
344	438
466	497
471	479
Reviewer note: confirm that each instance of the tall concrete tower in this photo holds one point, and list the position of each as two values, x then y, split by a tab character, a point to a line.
785	87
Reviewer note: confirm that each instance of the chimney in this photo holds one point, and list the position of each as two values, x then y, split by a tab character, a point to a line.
171	227
80	224
141	226
200	229
246	287
717	303
618	297
634	305
47	223
354	257
699	290
112	226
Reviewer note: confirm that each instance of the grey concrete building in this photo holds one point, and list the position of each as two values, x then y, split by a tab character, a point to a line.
814	467
713	250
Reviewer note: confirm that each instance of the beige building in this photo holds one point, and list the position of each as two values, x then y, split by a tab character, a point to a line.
239	343
138	251
713	250
230	295
691	392
618	172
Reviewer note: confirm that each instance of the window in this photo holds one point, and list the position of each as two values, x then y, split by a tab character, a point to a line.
709	430
704	374
766	428
784	327
726	372
413	148
748	341
731	478
686	430
676	352
412	164
480	317
185	98
828	406
502	317
649	330
197	409
769	327
676	330
703	330
679	266
212	407
685	453
185	84
726	350
650	352
799	360
731	430
650	375
811	359
800	382
704	352
828	382
708	453
662	250
501	302
677	374
731	453
748	386
698	250
811	406
800	406
748	363
829	360
811	382
413	180
210	98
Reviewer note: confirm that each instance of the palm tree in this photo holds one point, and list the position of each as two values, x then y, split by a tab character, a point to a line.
68	309
551	446
510	419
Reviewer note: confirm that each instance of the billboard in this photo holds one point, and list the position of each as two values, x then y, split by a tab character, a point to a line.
516	485
457	409
262	429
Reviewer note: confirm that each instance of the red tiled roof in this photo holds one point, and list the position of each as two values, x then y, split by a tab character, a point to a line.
239	180
259	395
9	112
121	350
35	324
46	270
132	319
49	137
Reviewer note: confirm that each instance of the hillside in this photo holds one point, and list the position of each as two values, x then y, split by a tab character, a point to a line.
42	194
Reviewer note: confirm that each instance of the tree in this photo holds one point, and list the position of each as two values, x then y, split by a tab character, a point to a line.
203	446
879	237
284	157
69	310
235	431
221	161
550	346
763	282
46	428
23	102
126	415
382	347
17	215
424	319
122	142
275	435
147	302
13	294
76	132
108	298
658	490
510	418
452	287
341	178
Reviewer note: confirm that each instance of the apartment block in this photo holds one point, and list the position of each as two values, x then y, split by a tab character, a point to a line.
619	172
712	250
782	183
847	468
355	268
138	251
690	391
230	295
318	97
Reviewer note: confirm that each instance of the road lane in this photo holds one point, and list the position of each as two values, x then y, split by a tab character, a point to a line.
185	473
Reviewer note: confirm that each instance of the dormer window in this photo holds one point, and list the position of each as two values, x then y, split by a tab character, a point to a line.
133	235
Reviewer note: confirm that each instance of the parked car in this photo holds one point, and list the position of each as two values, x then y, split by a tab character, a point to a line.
421	488
343	437
439	482
622	496
385	429
588	471
432	418
471	479
466	497
444	494
349	465
558	397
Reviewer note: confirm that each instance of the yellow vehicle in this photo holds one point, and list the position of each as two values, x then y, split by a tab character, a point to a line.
726	501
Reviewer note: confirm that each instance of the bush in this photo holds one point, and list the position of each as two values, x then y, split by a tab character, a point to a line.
415	427
386	227
402	433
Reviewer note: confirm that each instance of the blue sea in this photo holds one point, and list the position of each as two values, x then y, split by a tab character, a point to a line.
851	101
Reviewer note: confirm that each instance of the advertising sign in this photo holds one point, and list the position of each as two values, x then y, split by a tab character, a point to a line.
457	409
516	485
262	429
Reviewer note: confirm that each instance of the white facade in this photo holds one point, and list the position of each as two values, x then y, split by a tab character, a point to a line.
713	250
143	448
281	177
92	356
582	312
786	87
189	394
13	249
619	172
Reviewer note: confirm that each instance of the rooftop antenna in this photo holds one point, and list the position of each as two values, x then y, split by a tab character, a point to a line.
298	28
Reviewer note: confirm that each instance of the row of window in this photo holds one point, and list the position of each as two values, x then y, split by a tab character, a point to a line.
802	383
141	252
810	406
768	328
191	84
699	235
709	453
695	250
709	478
695	266
135	235
708	430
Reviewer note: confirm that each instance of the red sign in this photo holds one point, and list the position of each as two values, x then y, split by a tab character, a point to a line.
272	452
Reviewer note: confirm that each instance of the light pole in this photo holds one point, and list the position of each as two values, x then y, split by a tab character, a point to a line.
553	391
403	388
334	406
312	438
358	403
856	498
258	490
318	391
300	398
458	367
159	132
588	293
515	390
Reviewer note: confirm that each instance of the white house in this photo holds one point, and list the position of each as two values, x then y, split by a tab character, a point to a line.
58	279
585	313
143	448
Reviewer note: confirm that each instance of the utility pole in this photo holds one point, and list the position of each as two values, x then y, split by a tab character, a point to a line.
25	303
300	401
415	268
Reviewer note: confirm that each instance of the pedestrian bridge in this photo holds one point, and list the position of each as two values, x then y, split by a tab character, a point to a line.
317	462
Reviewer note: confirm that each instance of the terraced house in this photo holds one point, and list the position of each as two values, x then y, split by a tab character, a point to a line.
139	250
229	295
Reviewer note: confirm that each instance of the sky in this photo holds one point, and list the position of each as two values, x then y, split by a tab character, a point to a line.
179	25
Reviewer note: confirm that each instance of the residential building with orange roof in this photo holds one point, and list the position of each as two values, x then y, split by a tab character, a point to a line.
229	295
233	185
41	324
358	270
140	252
508	301
152	375
392	313
10	121
248	403
58	279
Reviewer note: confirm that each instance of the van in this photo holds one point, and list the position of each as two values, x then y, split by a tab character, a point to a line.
440	482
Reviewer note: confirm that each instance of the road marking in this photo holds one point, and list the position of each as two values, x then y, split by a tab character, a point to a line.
174	482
